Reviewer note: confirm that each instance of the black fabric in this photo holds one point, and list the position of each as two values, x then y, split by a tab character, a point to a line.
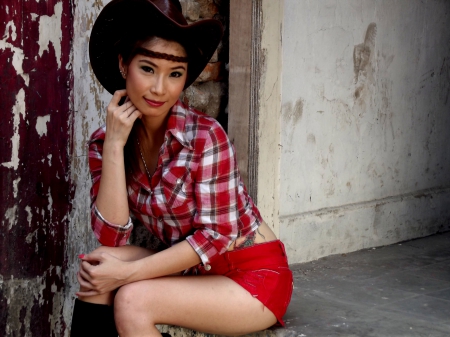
92	320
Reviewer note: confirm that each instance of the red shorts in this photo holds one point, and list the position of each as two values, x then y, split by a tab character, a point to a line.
262	270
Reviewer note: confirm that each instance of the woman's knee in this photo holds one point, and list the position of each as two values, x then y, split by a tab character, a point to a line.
128	302
105	249
129	307
125	253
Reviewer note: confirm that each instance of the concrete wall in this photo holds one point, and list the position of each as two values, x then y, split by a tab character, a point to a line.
365	159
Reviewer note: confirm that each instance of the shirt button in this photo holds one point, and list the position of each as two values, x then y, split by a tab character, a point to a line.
160	219
207	267
179	181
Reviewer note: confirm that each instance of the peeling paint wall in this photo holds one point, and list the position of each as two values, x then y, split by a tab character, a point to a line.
35	100
365	159
89	101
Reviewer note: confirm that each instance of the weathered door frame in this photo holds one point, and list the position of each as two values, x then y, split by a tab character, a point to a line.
255	98
243	103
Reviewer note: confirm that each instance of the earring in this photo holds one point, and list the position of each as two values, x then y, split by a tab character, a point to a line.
123	74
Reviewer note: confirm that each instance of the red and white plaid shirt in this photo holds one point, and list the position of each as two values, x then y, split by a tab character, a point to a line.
196	192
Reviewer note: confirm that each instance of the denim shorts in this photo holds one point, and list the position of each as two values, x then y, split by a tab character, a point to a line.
262	270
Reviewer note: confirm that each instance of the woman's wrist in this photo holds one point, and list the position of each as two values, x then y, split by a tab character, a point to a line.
113	145
113	153
132	271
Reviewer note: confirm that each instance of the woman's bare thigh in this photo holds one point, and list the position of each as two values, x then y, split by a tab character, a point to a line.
213	304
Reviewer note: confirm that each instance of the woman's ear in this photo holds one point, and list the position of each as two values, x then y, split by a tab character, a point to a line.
122	67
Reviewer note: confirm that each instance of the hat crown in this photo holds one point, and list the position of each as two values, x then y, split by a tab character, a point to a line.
171	9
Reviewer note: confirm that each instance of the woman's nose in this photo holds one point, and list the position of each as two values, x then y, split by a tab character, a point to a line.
157	86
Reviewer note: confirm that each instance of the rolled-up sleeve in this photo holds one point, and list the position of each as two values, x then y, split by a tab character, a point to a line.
216	196
108	234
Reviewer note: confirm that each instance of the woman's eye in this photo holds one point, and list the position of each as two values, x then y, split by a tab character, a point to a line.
147	69
176	74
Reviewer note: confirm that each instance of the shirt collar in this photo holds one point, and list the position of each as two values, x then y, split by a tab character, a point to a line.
176	124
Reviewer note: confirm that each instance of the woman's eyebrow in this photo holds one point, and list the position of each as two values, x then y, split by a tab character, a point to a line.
156	66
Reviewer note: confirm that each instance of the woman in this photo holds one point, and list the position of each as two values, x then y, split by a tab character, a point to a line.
174	170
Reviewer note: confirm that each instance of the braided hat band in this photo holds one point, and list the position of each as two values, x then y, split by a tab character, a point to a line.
155	54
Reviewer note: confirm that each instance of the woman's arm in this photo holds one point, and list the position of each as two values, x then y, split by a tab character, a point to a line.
167	262
101	273
112	200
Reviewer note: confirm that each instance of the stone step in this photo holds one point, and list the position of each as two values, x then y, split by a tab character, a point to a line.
176	331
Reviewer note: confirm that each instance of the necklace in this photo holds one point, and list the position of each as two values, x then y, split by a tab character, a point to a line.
143	160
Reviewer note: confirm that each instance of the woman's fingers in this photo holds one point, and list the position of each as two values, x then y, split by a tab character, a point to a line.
120	118
114	110
126	113
87	283
123	110
87	293
118	94
129	109
87	288
134	113
82	281
84	273
88	264
99	273
95	258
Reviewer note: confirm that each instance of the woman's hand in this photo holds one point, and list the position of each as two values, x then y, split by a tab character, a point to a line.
120	119
101	273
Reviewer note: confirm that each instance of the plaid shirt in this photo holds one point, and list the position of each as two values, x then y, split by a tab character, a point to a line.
196	193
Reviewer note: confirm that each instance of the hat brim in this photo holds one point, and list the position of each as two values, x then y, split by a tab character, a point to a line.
121	15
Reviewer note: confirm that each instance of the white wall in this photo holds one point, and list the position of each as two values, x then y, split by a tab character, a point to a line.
365	159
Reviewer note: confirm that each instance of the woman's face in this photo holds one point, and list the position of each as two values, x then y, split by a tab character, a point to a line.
154	84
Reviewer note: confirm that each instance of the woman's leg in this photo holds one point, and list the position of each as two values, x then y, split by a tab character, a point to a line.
94	316
213	304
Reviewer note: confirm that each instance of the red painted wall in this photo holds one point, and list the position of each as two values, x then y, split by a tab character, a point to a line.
34	221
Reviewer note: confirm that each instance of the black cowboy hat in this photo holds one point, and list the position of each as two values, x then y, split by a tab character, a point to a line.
121	18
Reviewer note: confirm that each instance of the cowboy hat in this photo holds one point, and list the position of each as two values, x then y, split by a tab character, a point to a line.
120	19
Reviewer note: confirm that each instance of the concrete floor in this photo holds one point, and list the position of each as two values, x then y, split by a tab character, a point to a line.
397	290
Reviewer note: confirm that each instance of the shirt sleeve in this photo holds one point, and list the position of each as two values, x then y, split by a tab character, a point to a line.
107	233
216	193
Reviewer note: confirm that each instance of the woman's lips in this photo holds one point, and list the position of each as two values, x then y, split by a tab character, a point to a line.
154	104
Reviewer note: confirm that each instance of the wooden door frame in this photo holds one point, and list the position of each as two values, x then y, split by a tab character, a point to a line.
244	74
254	110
